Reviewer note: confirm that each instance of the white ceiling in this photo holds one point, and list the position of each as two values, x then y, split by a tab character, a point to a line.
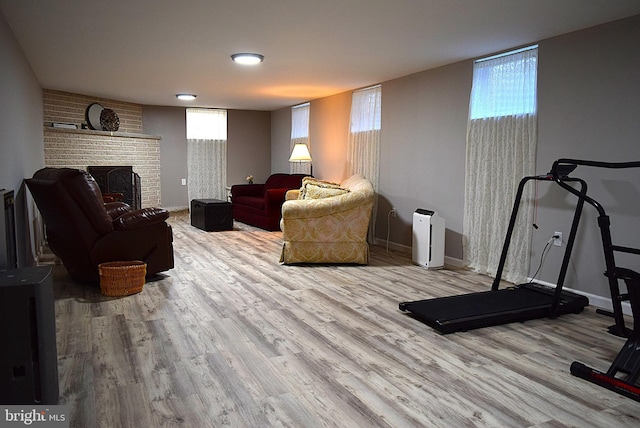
146	51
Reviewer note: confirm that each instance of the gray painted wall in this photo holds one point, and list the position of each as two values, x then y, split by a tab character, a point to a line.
248	149
589	108
588	92
280	140
424	123
249	146
170	124
21	135
328	135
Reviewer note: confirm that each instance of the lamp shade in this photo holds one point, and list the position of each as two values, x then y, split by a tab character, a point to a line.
300	153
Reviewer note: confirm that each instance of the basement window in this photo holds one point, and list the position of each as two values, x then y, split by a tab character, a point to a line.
366	106
206	124
300	121
505	84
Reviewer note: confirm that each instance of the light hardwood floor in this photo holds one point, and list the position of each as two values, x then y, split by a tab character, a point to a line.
230	337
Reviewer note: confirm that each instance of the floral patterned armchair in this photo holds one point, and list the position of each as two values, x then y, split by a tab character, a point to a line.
327	223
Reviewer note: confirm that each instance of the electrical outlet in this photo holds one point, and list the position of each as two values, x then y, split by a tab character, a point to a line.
394	212
557	239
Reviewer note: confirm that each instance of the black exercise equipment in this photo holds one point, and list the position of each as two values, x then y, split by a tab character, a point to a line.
627	362
625	369
514	304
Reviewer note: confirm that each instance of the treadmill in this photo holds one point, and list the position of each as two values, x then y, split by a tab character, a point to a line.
518	303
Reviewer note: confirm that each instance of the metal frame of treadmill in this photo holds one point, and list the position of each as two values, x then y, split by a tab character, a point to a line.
562	302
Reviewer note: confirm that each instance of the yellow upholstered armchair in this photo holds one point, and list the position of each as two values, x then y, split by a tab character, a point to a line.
326	222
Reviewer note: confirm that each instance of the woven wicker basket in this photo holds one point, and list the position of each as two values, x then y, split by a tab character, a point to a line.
122	278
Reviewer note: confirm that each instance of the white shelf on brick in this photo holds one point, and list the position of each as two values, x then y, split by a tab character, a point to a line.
102	133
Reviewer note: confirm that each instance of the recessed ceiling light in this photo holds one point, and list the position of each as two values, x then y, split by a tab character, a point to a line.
247	58
186	97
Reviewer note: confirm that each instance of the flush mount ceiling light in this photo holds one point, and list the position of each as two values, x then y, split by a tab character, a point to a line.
247	58
186	97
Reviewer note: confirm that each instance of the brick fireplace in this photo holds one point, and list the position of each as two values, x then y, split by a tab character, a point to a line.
80	148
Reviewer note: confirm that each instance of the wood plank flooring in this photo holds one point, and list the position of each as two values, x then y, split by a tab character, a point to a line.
230	337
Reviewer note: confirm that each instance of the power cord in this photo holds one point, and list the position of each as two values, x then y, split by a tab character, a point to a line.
388	228
542	256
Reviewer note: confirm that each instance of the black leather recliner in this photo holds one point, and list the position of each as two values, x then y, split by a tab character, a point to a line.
83	231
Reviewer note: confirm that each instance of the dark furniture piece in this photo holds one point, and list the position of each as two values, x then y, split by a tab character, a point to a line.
260	204
118	180
83	231
623	374
8	252
29	359
211	214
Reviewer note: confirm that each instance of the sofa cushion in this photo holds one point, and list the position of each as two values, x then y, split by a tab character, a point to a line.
250	201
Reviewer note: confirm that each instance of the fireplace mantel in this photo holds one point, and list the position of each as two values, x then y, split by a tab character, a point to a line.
102	133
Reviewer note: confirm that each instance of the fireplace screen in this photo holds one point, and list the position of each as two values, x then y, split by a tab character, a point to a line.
119	179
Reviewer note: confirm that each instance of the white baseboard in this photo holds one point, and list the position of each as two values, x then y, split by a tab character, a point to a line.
594	300
392	246
406	249
450	261
175	209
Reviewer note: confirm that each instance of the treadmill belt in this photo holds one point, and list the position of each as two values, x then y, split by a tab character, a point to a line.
488	308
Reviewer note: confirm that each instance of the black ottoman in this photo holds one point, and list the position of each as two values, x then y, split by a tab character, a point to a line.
211	214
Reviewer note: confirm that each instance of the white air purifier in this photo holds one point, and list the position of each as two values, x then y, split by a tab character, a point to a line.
428	239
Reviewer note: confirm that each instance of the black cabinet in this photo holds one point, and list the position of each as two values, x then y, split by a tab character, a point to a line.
29	360
8	244
211	214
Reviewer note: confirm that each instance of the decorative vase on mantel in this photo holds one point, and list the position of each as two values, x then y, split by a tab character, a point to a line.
109	120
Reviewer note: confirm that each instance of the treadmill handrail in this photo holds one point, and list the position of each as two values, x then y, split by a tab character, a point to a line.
597	164
569	243
612	270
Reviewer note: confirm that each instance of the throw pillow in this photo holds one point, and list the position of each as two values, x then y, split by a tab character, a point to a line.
319	192
306	181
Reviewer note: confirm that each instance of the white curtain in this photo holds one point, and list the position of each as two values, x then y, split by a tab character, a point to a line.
207	153
501	150
363	149
300	135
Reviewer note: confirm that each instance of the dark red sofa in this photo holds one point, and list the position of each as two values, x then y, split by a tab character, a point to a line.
260	204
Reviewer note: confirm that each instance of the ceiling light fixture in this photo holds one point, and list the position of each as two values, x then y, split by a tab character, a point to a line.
247	58
186	97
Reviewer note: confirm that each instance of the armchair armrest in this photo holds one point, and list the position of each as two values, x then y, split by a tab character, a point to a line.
292	195
247	190
140	218
316	208
116	209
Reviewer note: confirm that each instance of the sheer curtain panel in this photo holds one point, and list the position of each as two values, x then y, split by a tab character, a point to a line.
207	153
300	135
501	150
363	149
